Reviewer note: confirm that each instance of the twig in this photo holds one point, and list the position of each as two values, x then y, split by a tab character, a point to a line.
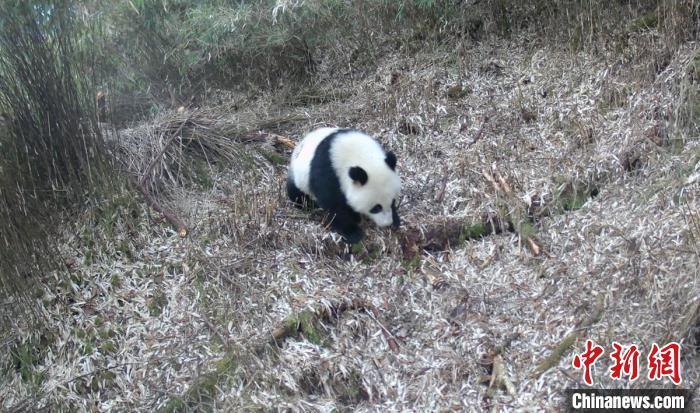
143	187
283	140
441	193
480	132
499	378
516	212
168	214
216	332
506	343
556	354
160	154
689	320
100	370
374	314
290	327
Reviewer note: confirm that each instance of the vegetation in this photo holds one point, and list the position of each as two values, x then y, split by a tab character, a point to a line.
537	140
170	53
52	156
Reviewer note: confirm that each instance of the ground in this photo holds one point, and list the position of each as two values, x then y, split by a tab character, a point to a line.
261	308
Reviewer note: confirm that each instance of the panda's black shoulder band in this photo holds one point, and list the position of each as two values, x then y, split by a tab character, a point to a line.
390	160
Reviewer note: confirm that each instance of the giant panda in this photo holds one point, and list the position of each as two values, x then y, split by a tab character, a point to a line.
348	174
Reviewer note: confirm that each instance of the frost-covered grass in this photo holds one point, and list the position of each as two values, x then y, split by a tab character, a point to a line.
149	320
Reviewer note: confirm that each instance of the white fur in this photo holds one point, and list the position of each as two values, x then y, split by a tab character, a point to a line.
303	153
351	149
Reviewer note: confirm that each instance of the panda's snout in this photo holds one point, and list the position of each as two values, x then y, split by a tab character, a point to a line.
383	219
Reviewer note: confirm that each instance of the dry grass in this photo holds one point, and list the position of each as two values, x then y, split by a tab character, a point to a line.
186	317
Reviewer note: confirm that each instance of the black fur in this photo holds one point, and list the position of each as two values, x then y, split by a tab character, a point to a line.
326	188
396	221
358	174
299	198
391	160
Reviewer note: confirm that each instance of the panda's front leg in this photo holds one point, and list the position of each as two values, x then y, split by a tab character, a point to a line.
346	222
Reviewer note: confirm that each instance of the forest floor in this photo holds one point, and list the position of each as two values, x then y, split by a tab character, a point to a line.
586	162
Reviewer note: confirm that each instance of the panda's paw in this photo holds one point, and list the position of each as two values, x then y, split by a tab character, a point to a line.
353	236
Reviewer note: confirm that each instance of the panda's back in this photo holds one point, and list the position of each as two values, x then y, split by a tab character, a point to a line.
318	158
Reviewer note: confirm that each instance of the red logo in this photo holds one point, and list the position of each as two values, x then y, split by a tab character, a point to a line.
662	362
626	363
665	362
586	359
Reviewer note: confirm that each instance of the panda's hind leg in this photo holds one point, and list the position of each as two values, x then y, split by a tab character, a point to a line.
299	198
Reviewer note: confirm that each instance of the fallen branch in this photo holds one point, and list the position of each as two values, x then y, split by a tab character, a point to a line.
445	233
205	387
690	321
283	140
142	185
480	132
167	213
559	351
375	315
159	155
499	378
305	323
515	211
268	138
216	332
443	186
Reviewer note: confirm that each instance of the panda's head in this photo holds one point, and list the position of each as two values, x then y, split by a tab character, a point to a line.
374	190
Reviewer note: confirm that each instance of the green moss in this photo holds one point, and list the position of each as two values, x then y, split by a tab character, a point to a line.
573	195
201	171
106	334
526	230
125	248
108	347
274	157
89	257
694	68
350	390
373	253
121	208
573	200
413	263
174	405
366	252
226	364
24	360
115	281
357	248
206	387
472	231
307	325
643	23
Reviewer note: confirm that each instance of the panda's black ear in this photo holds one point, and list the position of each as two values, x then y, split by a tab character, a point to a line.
358	175
391	160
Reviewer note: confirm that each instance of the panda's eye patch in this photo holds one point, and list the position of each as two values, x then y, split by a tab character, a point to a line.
376	209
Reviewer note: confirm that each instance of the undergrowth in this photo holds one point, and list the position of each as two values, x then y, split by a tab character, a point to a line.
173	53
